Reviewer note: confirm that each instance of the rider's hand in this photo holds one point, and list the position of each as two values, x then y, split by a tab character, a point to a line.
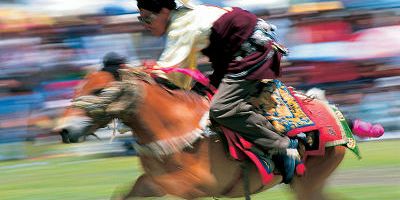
293	153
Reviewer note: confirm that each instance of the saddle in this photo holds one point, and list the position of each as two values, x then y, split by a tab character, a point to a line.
238	147
317	124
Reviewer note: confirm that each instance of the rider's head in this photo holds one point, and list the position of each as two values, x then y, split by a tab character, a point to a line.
154	14
112	62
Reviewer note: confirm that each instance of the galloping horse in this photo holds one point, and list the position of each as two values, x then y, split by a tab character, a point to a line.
176	157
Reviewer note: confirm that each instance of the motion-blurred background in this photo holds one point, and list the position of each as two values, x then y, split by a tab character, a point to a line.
350	48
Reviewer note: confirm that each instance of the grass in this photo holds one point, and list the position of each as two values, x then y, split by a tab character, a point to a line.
66	178
374	155
80	178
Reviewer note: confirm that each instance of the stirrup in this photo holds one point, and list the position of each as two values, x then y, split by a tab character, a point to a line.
290	165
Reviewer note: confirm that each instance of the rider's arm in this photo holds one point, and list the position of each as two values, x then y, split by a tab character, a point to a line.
188	33
179	52
177	49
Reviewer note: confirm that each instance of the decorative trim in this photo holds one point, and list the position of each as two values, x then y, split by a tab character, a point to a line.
168	147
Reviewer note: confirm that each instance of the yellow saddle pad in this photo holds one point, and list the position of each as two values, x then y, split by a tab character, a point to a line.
276	102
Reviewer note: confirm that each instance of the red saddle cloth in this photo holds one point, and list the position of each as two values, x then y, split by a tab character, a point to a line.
290	113
327	120
240	149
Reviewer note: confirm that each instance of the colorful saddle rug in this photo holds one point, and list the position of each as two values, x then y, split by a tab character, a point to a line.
292	113
277	103
333	129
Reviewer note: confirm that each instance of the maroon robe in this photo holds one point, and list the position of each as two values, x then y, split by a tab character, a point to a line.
227	35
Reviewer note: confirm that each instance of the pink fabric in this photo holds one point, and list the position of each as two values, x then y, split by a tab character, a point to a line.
365	129
195	74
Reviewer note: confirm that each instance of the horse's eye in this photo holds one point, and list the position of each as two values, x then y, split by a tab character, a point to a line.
97	92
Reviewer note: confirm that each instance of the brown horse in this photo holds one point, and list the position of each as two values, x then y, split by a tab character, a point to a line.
176	159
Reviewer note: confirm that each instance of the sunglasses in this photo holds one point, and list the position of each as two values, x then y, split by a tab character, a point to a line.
147	19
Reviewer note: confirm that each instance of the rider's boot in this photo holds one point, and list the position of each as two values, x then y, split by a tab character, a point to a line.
289	160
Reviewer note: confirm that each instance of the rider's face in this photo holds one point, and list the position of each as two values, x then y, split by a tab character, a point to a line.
155	23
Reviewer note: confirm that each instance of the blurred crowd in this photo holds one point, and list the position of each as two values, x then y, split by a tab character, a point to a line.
350	50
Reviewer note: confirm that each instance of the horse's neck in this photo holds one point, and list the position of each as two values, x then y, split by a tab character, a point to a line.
164	116
94	81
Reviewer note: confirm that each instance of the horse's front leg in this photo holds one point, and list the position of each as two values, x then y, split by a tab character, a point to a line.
310	186
143	187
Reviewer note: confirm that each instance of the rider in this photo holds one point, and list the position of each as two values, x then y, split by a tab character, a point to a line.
242	50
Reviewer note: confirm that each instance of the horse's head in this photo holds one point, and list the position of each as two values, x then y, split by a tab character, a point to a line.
153	112
98	100
73	122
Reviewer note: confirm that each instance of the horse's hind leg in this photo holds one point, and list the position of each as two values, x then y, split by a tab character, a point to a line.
143	187
319	168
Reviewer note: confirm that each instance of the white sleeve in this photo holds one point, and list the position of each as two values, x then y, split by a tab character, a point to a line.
179	44
188	33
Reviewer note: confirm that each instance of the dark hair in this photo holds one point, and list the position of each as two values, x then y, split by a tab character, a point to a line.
156	5
112	62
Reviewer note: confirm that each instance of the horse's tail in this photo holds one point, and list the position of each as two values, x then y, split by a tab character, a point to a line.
364	129
360	128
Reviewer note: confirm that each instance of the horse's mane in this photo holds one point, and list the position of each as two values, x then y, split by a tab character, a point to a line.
138	73
185	96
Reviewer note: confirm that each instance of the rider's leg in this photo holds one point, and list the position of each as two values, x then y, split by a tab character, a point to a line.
230	109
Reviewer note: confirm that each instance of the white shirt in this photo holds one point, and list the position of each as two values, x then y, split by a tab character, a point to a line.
187	34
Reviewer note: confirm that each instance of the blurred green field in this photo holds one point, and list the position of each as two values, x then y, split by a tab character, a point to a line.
92	178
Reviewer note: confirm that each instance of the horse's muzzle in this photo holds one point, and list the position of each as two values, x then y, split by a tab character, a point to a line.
74	129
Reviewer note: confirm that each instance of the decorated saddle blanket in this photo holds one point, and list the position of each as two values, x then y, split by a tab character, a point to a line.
292	113
333	129
277	103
